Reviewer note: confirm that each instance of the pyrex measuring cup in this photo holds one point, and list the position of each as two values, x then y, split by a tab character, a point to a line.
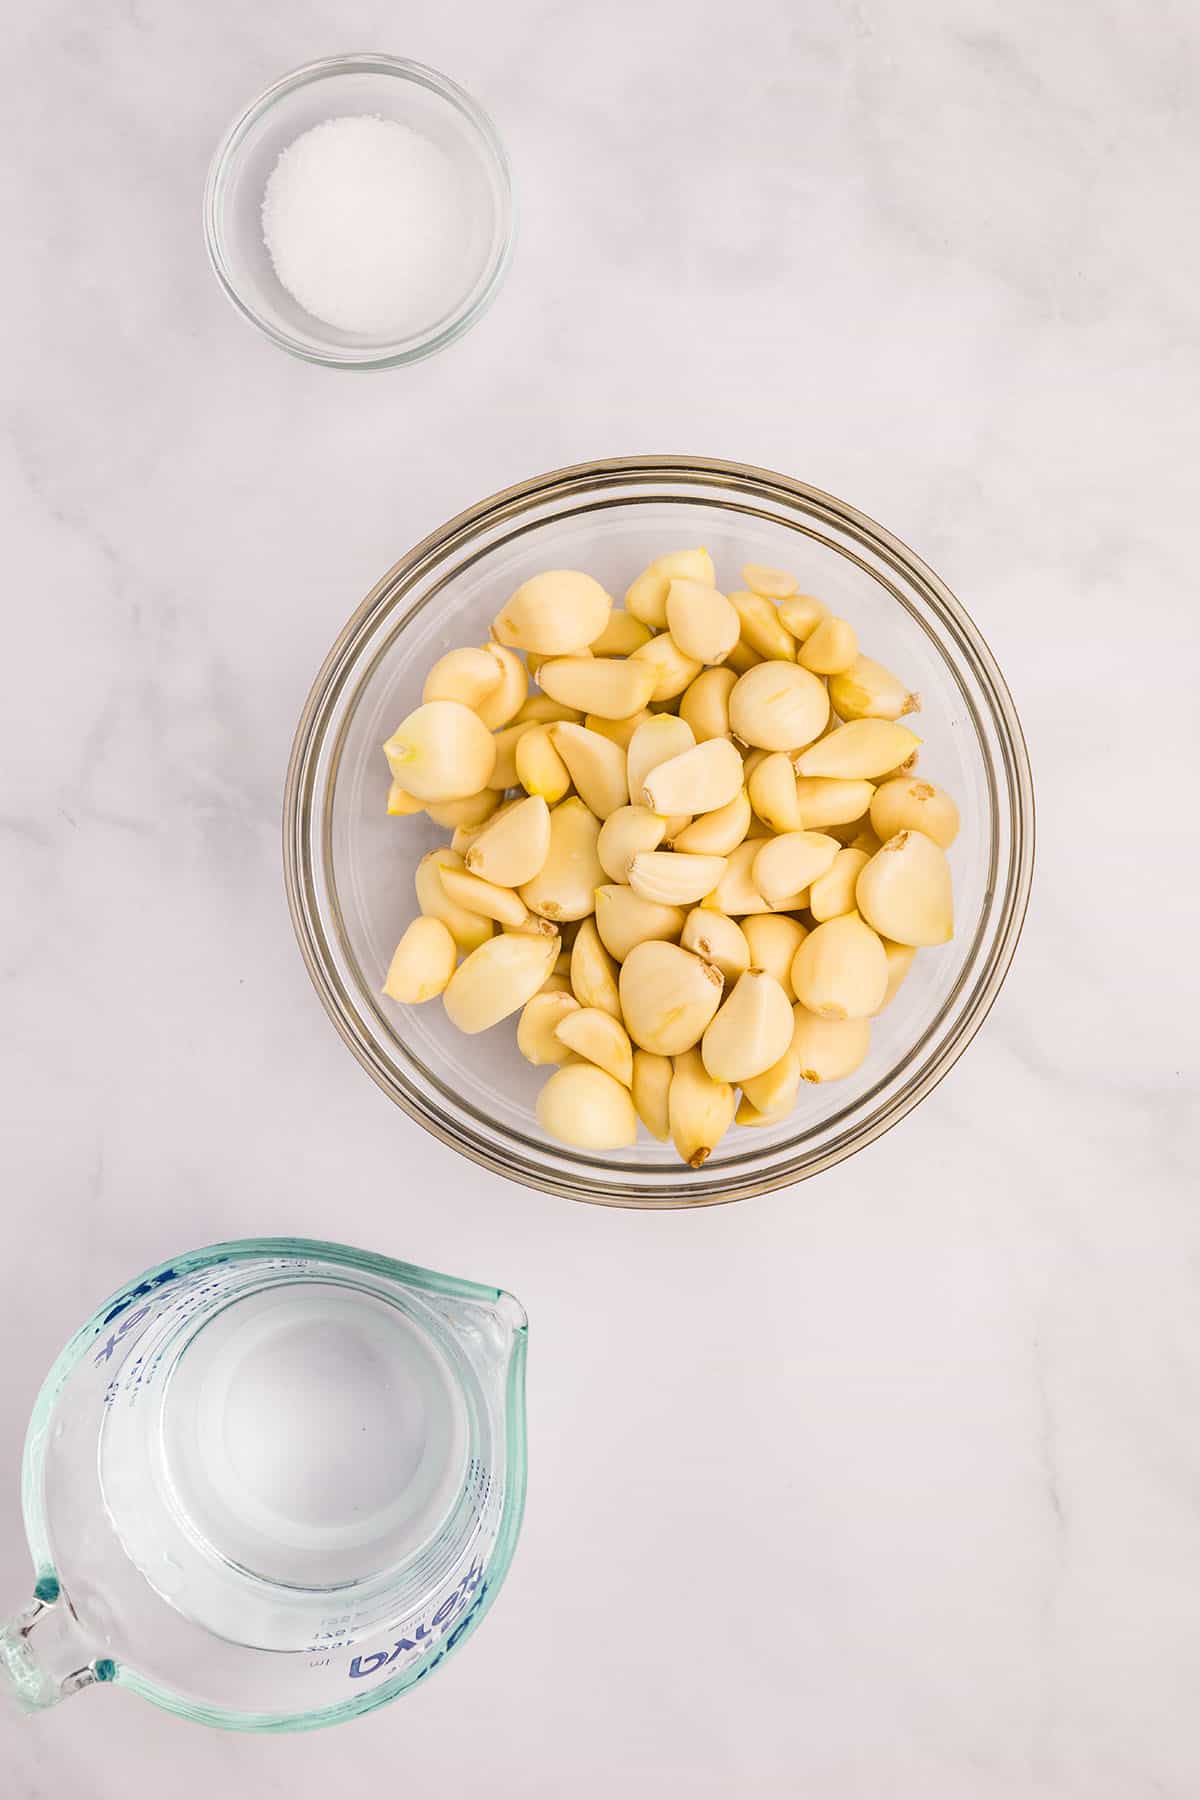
271	1485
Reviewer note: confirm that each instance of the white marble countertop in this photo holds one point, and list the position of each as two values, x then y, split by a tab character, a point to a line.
886	1486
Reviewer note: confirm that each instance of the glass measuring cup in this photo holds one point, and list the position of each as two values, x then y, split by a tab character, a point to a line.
271	1485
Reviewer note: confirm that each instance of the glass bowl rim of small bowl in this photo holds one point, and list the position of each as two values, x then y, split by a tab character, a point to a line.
313	769
403	69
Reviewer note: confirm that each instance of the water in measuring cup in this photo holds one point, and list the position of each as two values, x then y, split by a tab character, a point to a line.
305	1438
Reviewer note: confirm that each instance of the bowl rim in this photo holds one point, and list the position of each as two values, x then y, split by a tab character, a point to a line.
403	69
564	481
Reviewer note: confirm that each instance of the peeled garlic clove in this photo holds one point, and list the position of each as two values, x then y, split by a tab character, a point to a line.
905	891
906	804
674	879
716	833
828	1049
442	751
832	894
802	613
467	675
473	809
501	704
619	730
900	959
668	997
823	802
554	614
625	920
611	686
778	706
468	929
661	737
584	1106
540	709
621	636
699	781
762	628
749	1115
498	979
556	984
601	1039
401	804
859	750
423	962
741	658
735	894
646	598
773	1093
504	772
831	648
772	788
540	768
565	886
702	622
651	1086
773	940
718	940
788	864
623	834
480	896
596	765
512	848
773	584
840	970
673	671
593	971
536	1038
866	690
704	703
534	663
699	1109
751	1031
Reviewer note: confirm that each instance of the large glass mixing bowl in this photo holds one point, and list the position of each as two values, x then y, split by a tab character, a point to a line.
349	867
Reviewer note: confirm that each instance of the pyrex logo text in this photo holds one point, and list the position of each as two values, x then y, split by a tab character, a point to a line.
424	1634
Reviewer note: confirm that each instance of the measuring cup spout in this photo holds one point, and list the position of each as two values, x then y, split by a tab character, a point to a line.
43	1655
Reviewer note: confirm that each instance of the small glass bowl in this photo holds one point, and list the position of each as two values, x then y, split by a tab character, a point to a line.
349	868
390	88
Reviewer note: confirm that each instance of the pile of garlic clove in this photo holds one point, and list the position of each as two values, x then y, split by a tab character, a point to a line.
696	860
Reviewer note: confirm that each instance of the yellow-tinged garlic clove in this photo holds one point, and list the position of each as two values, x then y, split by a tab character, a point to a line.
905	892
840	970
716	833
498	979
858	751
773	940
441	751
773	584
828	1049
778	706
762	628
468	929
673	671
651	1086
906	804
773	1093
625	920
593	971
565	885
866	690
584	1106
791	862
900	959
661	737
540	709
736	893
831	648
701	620
467	675
704	703
600	1039
504	771
513	846
540	1016
612	686
699	1109
553	614
501	704
472	810
750	1031
748	1115
401	804
646	598
619	730
802	613
699	781
485	897
824	803
668	996
672	878
772	788
621	636
718	940
623	834
540	768
596	766
832	894
422	964
742	657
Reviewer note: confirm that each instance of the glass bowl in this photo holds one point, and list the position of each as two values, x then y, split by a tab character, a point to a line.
349	867
389	88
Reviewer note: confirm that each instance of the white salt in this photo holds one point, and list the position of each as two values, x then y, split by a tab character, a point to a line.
361	220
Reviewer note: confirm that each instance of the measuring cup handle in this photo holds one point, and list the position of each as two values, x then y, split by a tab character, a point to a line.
43	1656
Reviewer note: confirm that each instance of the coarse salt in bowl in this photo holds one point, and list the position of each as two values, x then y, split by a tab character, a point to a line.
360	212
